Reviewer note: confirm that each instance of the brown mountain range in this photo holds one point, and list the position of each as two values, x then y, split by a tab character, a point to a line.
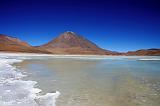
11	44
67	43
144	52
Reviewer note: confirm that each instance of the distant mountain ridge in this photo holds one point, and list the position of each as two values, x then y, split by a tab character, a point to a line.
145	52
11	44
66	43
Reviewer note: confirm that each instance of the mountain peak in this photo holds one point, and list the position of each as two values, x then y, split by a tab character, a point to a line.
71	43
2	36
67	35
70	32
70	39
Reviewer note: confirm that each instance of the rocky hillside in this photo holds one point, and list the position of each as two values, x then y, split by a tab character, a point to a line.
11	44
145	52
71	43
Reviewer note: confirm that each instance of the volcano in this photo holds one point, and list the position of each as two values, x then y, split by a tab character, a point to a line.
72	43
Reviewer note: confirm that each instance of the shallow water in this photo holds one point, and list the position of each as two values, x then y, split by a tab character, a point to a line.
14	91
112	81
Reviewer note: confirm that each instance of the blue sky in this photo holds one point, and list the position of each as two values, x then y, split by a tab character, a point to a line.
118	25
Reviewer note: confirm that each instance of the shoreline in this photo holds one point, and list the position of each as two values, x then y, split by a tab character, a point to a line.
66	55
31	95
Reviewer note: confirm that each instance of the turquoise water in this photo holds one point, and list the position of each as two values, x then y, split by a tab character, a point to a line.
108	81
